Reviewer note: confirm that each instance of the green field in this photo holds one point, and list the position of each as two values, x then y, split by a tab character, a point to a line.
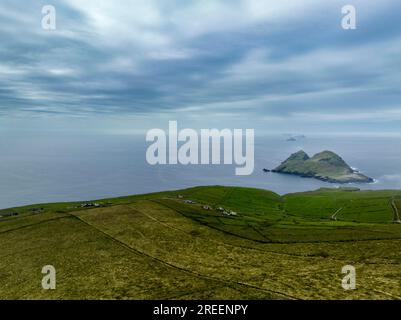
158	246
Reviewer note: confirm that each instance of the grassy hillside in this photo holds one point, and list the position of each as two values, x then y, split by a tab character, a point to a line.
178	245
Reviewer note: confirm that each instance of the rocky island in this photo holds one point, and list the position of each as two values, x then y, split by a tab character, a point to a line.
326	166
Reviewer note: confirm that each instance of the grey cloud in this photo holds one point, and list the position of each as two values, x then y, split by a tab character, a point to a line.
251	59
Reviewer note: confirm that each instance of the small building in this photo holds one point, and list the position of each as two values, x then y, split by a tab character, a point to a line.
90	205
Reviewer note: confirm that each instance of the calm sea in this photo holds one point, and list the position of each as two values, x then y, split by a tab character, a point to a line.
47	168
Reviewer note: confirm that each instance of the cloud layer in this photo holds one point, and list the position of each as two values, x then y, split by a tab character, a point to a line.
283	64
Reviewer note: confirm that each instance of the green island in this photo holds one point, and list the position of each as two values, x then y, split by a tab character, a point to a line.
326	166
206	243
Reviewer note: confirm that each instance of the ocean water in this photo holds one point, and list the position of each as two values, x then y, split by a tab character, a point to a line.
42	168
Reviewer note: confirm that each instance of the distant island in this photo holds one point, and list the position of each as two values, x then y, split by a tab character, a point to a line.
295	138
326	166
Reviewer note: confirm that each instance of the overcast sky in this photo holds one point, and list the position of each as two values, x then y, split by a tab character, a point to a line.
276	66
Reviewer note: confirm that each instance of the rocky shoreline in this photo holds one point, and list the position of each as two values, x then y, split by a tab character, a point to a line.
361	178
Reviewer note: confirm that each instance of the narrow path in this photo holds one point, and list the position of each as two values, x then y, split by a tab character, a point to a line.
334	216
396	218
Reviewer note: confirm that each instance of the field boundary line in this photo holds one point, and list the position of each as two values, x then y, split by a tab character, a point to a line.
273	241
222	242
35	224
194	273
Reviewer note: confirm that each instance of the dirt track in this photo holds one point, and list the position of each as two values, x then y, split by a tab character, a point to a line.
396	218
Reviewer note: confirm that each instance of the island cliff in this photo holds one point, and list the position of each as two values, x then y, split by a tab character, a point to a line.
326	166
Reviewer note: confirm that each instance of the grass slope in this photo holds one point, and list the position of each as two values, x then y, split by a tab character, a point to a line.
157	246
